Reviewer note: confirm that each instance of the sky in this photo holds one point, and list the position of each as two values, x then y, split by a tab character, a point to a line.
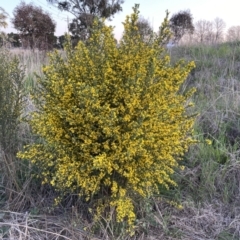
152	10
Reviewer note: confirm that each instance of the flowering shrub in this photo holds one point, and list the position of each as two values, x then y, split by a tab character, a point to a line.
111	118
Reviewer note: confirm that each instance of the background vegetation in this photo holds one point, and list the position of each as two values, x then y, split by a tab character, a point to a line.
208	188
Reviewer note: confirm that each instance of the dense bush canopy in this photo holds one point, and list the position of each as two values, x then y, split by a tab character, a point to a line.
111	118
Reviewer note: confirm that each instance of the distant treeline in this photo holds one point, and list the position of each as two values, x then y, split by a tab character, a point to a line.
14	40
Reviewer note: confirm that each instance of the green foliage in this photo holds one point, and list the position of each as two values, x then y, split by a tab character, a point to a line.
84	12
112	122
11	109
14	39
11	100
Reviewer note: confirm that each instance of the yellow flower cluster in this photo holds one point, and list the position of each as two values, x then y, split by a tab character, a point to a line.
110	117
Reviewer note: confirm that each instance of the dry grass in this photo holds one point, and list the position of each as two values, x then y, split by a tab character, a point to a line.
26	226
210	221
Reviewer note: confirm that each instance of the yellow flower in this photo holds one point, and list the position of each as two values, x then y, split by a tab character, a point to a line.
208	141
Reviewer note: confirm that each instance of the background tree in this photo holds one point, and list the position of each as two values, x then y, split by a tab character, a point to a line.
209	32
209	37
61	41
84	12
203	31
14	39
35	26
79	27
3	18
219	26
180	24
144	28
233	34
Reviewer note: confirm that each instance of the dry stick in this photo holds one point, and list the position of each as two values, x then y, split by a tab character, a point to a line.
26	226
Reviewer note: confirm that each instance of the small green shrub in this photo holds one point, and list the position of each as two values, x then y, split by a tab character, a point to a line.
11	109
11	100
112	123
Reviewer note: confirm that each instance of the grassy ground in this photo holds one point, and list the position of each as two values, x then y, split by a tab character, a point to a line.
208	188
